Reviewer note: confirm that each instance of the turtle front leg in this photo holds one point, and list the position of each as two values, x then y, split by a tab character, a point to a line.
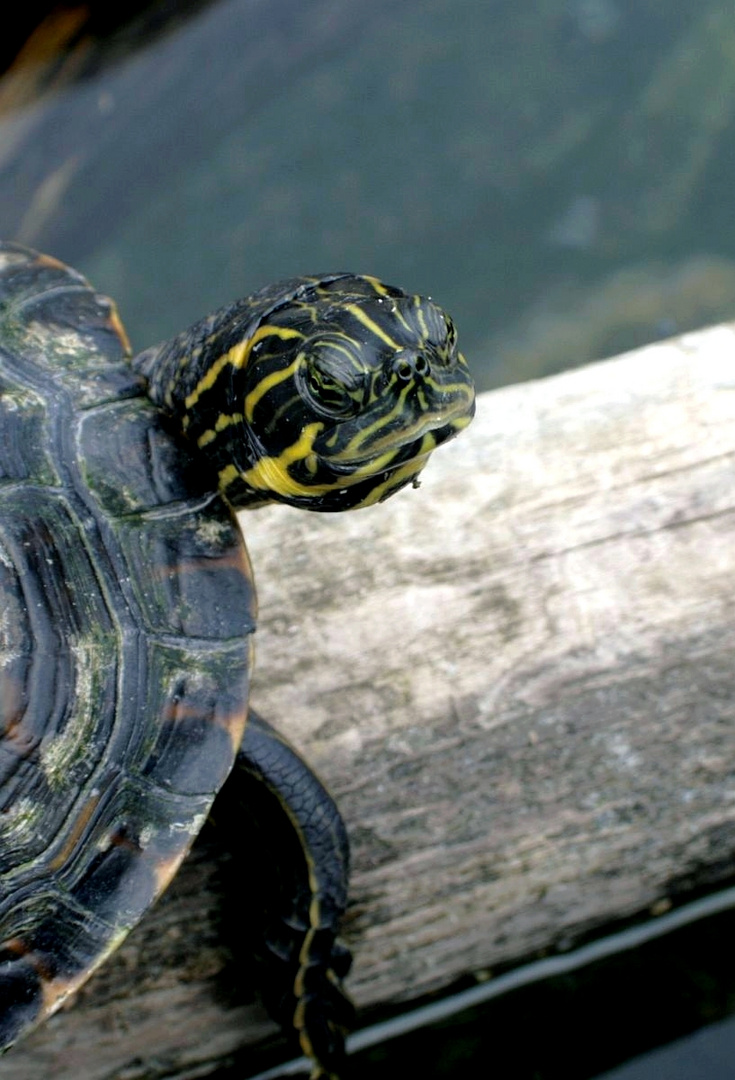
301	903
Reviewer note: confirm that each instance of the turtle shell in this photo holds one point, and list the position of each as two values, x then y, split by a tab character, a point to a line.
126	605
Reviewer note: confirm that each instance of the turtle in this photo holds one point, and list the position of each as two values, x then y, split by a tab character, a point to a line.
127	604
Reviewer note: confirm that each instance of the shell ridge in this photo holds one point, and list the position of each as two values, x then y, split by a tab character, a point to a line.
107	777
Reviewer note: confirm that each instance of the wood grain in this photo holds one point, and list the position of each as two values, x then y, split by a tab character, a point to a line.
519	684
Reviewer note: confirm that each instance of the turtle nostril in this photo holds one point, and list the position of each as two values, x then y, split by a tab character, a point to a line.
408	365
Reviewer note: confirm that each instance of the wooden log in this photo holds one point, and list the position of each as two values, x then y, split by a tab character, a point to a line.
519	684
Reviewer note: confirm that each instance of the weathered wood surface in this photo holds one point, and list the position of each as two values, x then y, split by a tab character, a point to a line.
520	684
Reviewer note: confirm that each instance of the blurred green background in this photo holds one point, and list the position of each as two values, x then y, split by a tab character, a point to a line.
556	173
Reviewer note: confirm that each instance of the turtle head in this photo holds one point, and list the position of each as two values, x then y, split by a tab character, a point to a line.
346	407
333	397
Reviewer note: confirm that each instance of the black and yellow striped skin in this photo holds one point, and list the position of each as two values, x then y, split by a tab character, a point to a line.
127	603
327	393
314	861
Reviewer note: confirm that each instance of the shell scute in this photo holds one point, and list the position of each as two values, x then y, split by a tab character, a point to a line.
20	996
131	463
199	713
56	561
57	332
24	448
126	605
189	571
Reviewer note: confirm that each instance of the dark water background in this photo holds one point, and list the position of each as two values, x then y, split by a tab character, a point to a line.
557	173
636	1002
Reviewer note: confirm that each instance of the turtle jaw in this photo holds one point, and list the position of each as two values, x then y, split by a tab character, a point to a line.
311	481
349	463
391	455
352	483
419	421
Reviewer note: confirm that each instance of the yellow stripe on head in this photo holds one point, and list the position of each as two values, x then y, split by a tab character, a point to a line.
223	421
377	285
271	473
350	379
267	383
237	357
364	318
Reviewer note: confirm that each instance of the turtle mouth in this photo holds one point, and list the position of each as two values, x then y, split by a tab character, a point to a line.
395	448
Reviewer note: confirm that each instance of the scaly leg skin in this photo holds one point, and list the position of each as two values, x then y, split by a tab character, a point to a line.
303	964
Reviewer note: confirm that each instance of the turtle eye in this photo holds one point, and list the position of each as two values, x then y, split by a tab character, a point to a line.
329	379
328	394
